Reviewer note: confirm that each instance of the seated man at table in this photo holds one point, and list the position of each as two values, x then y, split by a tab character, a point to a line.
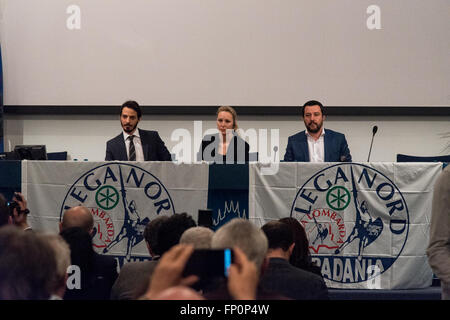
316	144
134	144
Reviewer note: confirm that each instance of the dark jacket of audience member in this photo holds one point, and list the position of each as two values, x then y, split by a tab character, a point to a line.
98	272
301	257
134	277
281	276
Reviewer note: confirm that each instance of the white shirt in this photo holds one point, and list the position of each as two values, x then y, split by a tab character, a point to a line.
137	145
316	148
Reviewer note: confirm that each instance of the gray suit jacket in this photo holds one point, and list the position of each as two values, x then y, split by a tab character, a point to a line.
133	280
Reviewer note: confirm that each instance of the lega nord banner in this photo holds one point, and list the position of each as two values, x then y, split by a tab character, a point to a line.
367	224
122	196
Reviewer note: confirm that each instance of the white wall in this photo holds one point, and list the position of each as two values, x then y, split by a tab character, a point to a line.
85	136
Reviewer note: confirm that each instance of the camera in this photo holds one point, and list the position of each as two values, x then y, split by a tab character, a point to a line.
209	263
11	206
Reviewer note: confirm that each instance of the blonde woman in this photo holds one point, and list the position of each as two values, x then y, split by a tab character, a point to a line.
225	146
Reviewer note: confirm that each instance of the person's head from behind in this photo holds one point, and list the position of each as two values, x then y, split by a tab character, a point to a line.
245	235
130	115
170	231
27	265
78	216
313	116
199	237
63	261
151	234
280	238
300	257
226	119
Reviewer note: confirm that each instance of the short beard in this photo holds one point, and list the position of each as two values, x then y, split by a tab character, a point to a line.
129	130
312	130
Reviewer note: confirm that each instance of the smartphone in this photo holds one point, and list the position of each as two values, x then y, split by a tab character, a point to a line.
209	263
205	218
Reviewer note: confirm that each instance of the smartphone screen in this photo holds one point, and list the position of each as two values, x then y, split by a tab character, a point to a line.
207	263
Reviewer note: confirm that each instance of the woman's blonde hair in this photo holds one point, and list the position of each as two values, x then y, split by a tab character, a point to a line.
233	113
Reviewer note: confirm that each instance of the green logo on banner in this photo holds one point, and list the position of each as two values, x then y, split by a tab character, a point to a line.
338	198
107	197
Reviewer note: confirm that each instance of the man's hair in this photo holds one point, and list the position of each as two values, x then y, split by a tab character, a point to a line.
132	105
27	265
151	232
199	237
278	234
62	256
4	211
301	256
170	231
311	103
245	235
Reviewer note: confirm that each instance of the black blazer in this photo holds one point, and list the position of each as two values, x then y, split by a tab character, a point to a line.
97	282
238	150
152	145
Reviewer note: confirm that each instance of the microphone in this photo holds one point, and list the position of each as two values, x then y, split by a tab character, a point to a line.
374	130
275	154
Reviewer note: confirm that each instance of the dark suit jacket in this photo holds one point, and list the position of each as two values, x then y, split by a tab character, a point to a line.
220	292
292	282
335	147
234	147
133	280
152	145
97	283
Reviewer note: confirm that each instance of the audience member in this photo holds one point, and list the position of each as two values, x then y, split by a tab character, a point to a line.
151	236
242	234
98	272
168	283
300	257
170	231
199	237
62	256
78	216
439	246
15	213
27	265
281	276
134	277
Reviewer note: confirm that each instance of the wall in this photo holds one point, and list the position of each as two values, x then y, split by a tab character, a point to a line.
85	136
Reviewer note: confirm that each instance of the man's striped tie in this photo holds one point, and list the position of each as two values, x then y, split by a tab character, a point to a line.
132	156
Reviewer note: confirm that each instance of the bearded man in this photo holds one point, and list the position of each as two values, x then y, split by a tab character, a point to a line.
317	144
134	144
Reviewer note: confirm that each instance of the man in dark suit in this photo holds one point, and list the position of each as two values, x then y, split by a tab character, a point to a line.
135	144
98	272
317	144
282	277
134	277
